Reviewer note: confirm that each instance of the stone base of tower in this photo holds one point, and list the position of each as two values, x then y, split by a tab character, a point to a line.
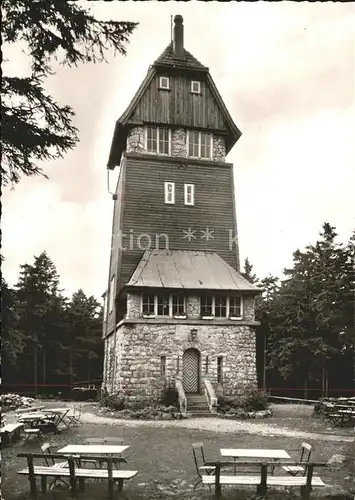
141	357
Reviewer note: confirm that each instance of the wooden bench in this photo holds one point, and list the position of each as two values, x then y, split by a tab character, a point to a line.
262	480
10	432
73	472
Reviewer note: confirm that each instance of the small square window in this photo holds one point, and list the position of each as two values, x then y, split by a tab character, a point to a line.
164	82
196	87
169	192
162	365
220	369
112	294
189	192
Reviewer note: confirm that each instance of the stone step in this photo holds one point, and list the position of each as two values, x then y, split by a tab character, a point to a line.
201	414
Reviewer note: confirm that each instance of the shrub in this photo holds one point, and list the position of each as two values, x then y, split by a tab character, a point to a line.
170	397
115	402
251	400
254	400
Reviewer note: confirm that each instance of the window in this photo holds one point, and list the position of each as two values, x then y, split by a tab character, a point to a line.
199	144
158	140
189	194
235	307
112	293
220	307
169	192
164	83
163	306
148	304
162	365
178	303
195	87
105	307
206	306
220	369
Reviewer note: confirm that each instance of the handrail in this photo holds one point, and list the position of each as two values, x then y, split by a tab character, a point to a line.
210	396
182	396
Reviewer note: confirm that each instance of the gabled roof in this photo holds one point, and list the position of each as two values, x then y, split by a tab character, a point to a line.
186	269
167	58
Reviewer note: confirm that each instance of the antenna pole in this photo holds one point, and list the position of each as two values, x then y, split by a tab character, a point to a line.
171	28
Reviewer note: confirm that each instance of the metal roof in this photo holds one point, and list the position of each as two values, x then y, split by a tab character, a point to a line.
187	269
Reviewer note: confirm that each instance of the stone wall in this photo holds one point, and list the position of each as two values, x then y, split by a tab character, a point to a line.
136	143
139	347
178	142
136	140
219	148
134	306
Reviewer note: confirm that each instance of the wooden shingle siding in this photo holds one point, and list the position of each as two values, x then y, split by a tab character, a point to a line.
178	106
116	252
146	213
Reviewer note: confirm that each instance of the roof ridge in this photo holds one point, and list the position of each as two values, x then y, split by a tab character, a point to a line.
169	58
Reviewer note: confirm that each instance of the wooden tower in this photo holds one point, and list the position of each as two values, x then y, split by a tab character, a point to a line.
174	260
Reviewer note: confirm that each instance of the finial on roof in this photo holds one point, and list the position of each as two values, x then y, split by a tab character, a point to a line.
178	38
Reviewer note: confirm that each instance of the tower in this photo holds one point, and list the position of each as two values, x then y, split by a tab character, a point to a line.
177	309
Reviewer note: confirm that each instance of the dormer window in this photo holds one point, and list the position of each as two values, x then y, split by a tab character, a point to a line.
164	83
195	87
199	145
158	140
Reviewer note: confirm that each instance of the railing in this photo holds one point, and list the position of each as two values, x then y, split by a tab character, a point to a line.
182	396
210	396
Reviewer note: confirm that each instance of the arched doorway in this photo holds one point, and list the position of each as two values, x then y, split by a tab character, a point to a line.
191	371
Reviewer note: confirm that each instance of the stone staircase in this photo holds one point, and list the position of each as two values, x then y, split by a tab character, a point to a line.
197	406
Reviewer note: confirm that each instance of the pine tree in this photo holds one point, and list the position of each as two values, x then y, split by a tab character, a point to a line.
34	126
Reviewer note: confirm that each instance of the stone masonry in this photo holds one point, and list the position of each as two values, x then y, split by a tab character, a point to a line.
136	140
136	143
134	351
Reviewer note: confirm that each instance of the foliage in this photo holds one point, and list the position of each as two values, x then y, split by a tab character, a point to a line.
34	126
312	306
113	401
251	400
170	396
248	272
49	342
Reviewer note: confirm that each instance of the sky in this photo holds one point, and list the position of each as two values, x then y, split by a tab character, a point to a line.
285	71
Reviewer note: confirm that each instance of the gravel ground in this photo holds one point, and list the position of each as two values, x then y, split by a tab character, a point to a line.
217	425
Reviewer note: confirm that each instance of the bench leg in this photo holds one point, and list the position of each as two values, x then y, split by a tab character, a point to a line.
43	483
81	484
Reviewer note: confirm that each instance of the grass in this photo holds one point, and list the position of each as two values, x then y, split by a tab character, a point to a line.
164	460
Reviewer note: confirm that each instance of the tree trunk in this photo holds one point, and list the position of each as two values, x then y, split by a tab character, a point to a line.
44	368
71	369
35	381
306	387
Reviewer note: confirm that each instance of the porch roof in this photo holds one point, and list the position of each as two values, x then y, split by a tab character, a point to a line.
189	270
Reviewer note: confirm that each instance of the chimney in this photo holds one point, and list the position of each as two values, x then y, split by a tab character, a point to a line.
178	38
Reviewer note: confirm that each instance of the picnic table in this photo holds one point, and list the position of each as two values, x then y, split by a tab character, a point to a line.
235	453
33	409
32	419
58	415
93	449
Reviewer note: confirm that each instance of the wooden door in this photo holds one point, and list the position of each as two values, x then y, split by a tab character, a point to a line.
191	371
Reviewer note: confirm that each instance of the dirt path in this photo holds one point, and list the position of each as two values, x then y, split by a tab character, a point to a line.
216	425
